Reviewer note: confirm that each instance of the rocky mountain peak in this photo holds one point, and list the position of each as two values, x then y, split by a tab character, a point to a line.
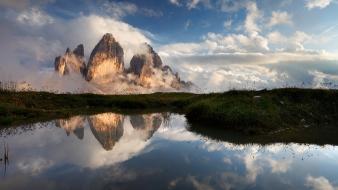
151	71
109	38
140	62
79	50
71	61
106	58
105	68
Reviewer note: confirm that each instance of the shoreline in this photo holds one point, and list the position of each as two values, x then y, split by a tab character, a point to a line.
252	113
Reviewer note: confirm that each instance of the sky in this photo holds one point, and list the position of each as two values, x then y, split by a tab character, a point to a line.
216	44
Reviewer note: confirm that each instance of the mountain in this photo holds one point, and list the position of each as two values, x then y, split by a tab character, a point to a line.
151	72
71	61
105	59
105	71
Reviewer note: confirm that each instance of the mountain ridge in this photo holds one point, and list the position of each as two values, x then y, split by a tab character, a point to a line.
106	67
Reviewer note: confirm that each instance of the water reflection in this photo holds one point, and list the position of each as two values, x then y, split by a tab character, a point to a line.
107	128
73	125
156	151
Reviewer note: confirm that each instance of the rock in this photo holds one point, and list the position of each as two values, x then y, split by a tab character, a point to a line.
106	59
79	51
71	62
105	68
141	61
151	72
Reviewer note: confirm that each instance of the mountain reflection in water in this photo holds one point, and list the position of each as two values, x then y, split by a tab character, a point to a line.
108	128
155	151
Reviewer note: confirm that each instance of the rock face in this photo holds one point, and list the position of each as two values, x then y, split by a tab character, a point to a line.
107	128
71	61
140	62
150	70
106	59
105	68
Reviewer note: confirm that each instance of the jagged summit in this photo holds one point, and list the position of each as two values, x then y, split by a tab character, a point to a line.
71	61
106	66
79	50
150	58
105	59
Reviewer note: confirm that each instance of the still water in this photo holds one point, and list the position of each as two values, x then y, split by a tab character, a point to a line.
154	151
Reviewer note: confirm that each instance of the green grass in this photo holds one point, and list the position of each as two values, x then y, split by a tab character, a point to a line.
251	112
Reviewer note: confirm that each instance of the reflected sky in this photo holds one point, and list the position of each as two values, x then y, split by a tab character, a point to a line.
154	151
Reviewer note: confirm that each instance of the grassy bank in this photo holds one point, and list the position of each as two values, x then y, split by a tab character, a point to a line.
259	112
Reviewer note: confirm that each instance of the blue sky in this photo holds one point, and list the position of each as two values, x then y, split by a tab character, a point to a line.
183	21
215	43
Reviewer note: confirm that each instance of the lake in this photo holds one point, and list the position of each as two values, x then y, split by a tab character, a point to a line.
154	151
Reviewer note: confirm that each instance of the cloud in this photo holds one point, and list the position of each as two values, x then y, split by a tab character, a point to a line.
22	4
34	17
119	10
311	4
225	61
279	166
175	2
319	183
253	14
192	4
293	43
276	37
279	17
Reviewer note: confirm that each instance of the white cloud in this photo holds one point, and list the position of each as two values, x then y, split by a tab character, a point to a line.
119	9
324	80
279	17
293	43
34	17
175	2
253	14
311	4
192	4
276	37
279	166
319	183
